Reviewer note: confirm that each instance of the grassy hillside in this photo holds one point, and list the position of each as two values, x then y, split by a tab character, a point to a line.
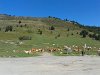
67	31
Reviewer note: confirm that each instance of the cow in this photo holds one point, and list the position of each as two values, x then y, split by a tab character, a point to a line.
67	49
54	49
28	51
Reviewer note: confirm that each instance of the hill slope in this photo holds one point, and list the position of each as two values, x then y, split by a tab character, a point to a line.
27	34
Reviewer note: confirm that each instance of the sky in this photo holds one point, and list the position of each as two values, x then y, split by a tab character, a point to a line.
85	12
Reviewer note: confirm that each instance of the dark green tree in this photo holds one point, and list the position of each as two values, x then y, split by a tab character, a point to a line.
39	31
8	28
83	33
68	29
97	37
0	29
52	28
19	22
90	35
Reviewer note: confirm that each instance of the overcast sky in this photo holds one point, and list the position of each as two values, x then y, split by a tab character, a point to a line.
84	11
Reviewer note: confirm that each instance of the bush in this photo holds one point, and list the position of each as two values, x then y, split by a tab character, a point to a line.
52	28
57	36
90	35
0	29
21	25
77	33
25	38
30	31
83	33
19	22
72	34
8	28
97	37
68	29
39	31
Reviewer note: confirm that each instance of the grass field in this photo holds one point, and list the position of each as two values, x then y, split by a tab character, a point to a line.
9	40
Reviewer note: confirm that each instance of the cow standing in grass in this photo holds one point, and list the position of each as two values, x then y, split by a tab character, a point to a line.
67	49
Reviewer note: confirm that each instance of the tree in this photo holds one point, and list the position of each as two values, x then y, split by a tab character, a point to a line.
25	25
52	28
0	29
72	34
77	33
66	20
83	33
97	37
90	35
21	25
94	35
49	16
8	28
58	35
68	29
19	22
39	31
16	25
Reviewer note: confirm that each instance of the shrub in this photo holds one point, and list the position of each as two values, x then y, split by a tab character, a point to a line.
21	25
17	26
0	29
68	29
57	36
97	37
77	33
72	34
8	28
83	33
25	38
52	28
39	31
29	31
19	22
25	25
90	35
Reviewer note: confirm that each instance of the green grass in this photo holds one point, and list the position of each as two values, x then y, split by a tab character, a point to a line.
66	54
91	52
47	39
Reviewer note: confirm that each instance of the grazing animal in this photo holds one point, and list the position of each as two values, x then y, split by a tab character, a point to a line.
68	49
54	49
28	51
77	49
33	50
98	52
40	50
88	48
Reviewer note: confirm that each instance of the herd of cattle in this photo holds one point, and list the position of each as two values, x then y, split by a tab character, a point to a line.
61	50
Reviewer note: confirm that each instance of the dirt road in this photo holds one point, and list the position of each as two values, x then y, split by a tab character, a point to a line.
51	65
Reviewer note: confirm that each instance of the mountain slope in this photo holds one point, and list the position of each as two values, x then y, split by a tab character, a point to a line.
34	32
